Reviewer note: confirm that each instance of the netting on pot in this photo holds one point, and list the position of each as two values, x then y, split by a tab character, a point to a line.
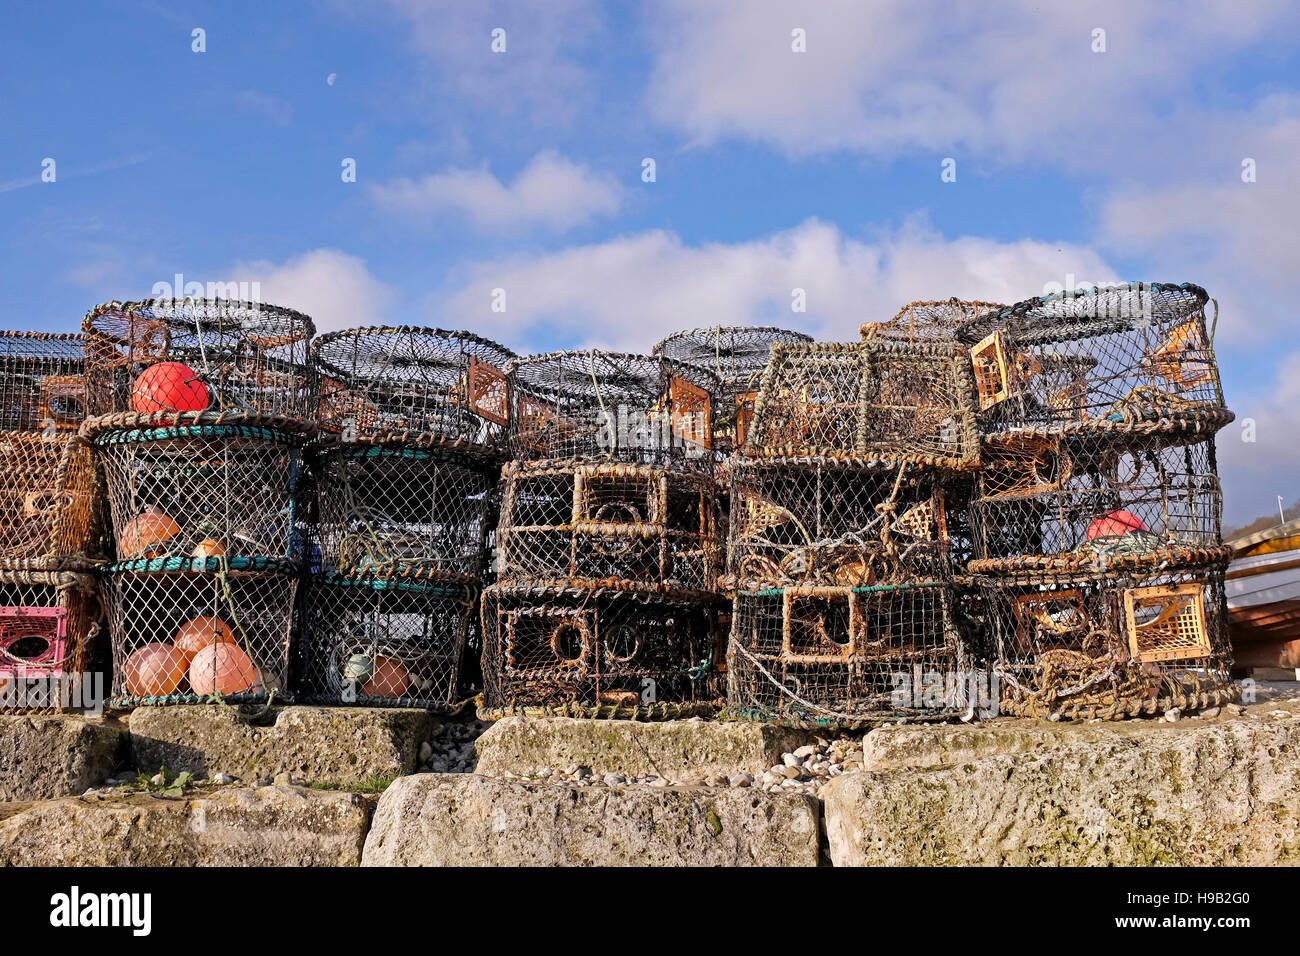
1063	502
197	355
826	521
415	386
387	639
651	524
201	485
867	400
1113	645
48	623
42	382
591	650
848	656
933	321
388	506
1134	359
608	406
737	355
51	514
195	632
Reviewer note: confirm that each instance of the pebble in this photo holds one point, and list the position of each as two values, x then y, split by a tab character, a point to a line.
790	760
792	773
613	779
426	752
1236	710
222	779
805	751
742	780
1172	714
1209	712
157	780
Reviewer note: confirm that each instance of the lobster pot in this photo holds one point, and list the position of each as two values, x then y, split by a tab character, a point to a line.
648	524
233	356
42	382
186	632
846	656
383	507
826	521
414	386
612	407
1130	359
51	514
890	401
385	640
592	651
738	355
49	621
1110	646
927	321
202	485
1064	503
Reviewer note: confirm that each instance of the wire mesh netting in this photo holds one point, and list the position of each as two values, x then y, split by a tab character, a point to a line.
846	656
386	506
387	639
49	622
193	632
835	523
191	355
1131	359
642	523
415	385
1109	646
51	513
608	406
888	401
580	651
204	485
42	382
930	321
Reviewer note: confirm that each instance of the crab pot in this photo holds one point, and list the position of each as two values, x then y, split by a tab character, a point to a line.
42	382
202	485
738	355
413	386
1110	646
49	621
835	523
186	632
51	514
649	524
927	321
383	506
390	639
1131	359
593	651
1067	503
885	400
845	656
199	355
612	407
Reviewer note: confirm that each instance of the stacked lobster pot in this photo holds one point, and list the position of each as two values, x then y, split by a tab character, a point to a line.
1096	515
413	429
844	607
609	541
199	413
51	528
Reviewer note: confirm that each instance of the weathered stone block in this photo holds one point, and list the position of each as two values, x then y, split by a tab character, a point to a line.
56	756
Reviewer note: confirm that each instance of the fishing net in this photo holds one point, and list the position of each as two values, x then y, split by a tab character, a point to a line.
569	649
1107	646
385	639
199	355
816	655
607	406
51	514
737	355
384	506
885	401
42	382
186	631
927	321
49	624
414	386
202	484
653	524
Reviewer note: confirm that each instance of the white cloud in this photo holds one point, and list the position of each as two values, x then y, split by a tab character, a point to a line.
550	192
1255	472
272	108
630	291
334	288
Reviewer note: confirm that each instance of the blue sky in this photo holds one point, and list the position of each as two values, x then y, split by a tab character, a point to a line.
775	169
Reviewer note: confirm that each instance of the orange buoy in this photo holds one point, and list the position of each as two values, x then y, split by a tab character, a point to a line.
221	668
1115	523
168	387
198	633
208	548
155	670
388	679
142	536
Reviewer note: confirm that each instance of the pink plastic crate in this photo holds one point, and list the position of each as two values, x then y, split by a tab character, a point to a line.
33	641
